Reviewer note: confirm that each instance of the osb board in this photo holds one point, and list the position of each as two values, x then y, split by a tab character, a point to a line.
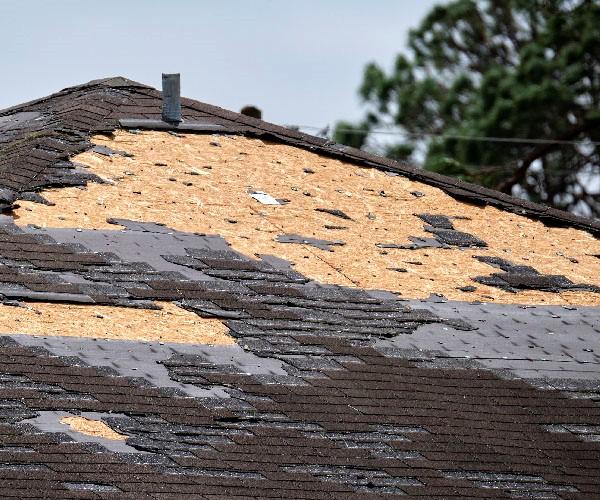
204	188
91	427
169	324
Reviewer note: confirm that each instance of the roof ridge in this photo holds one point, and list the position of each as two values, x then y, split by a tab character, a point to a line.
112	82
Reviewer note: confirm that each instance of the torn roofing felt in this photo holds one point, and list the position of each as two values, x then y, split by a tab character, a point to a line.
38	137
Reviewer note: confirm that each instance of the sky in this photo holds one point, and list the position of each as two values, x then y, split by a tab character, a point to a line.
301	62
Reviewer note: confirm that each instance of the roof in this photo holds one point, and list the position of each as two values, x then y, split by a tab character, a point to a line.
235	309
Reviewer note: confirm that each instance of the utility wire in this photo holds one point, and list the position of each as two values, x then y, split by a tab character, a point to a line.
514	140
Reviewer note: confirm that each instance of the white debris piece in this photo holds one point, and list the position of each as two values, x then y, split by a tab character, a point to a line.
264	198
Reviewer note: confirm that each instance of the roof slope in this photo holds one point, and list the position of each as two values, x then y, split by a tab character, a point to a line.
255	362
63	119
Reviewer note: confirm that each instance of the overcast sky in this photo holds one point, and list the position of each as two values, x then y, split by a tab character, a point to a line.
300	61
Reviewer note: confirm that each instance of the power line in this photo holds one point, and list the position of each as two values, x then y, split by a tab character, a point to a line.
513	140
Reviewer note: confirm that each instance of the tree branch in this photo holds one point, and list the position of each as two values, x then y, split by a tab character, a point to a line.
536	153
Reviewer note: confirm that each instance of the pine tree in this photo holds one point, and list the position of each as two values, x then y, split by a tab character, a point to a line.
527	69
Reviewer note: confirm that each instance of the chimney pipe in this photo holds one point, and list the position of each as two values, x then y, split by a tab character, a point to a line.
171	105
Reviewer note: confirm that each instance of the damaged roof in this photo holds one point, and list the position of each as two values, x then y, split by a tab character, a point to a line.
228	308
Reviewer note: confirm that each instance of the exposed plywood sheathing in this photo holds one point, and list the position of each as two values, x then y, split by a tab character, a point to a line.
91	427
201	183
170	324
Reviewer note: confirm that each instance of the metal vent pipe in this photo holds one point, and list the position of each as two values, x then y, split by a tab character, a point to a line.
171	104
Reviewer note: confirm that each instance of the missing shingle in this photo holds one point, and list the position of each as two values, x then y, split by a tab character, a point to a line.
223	194
91	427
167	324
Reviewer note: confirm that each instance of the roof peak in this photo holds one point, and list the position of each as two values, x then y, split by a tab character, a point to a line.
111	81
